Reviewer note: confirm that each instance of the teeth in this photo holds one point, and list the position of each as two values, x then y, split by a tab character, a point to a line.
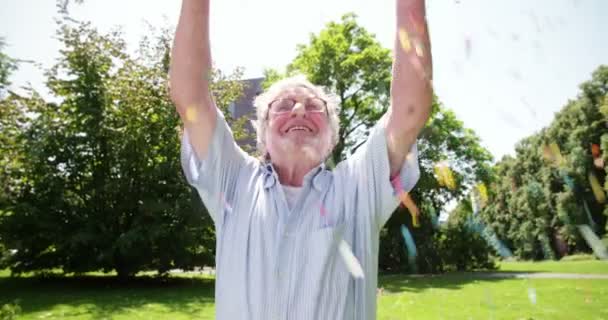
298	128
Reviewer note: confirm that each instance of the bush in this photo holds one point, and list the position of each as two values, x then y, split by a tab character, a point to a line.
463	249
454	247
10	311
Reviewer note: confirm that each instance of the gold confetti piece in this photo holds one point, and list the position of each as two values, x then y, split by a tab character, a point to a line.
598	192
418	47
192	115
445	177
483	193
353	265
411	207
408	202
557	155
404	39
552	154
547	153
415	221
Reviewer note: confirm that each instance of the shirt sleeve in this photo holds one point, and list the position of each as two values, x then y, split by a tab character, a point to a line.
368	169
215	177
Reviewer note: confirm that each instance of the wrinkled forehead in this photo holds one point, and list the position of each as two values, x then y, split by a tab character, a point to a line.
296	92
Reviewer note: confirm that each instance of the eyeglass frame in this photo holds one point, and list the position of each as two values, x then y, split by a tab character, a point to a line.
326	111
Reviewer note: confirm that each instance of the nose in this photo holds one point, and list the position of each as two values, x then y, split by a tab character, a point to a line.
298	109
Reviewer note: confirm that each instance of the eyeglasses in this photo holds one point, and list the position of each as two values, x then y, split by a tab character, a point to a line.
285	105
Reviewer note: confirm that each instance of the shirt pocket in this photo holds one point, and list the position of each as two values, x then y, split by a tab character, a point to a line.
324	241
330	276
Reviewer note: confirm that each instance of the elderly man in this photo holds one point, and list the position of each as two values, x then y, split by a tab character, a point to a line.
282	221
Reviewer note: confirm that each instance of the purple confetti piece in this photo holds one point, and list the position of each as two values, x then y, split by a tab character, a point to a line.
467	46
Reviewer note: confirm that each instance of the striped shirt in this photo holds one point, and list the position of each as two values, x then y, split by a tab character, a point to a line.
273	262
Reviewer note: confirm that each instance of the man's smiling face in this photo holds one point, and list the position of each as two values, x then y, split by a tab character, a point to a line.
298	126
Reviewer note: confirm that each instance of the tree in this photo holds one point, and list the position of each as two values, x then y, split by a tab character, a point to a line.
538	197
350	63
443	139
7	66
99	185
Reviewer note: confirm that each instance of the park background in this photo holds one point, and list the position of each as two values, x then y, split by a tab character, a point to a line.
97	221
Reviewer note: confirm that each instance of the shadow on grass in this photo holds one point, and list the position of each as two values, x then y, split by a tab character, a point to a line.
102	296
452	281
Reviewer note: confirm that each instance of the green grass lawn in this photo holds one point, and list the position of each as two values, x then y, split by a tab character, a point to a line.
587	267
461	296
451	296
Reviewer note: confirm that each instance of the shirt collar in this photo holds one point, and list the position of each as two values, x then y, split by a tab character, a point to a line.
319	175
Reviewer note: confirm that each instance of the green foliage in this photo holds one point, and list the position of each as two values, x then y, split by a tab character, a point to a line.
10	311
7	66
463	249
94	179
536	200
453	247
351	63
444	138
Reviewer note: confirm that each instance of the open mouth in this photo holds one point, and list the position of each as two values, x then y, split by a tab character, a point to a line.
298	128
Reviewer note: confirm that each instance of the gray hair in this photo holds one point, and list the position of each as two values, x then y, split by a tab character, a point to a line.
262	102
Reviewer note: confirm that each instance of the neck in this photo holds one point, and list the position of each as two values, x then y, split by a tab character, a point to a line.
291	173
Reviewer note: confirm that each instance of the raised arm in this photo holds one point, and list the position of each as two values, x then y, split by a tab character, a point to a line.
411	93
189	74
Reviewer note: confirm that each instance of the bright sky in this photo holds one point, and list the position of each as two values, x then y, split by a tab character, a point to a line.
526	58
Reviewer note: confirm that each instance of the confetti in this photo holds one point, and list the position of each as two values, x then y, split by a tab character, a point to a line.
567	180
191	114
598	247
415	221
445	177
532	295
598	163
595	150
529	107
515	74
404	39
557	155
483	193
353	265
410	247
419	50
411	207
598	192
406	200
467	47
552	154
